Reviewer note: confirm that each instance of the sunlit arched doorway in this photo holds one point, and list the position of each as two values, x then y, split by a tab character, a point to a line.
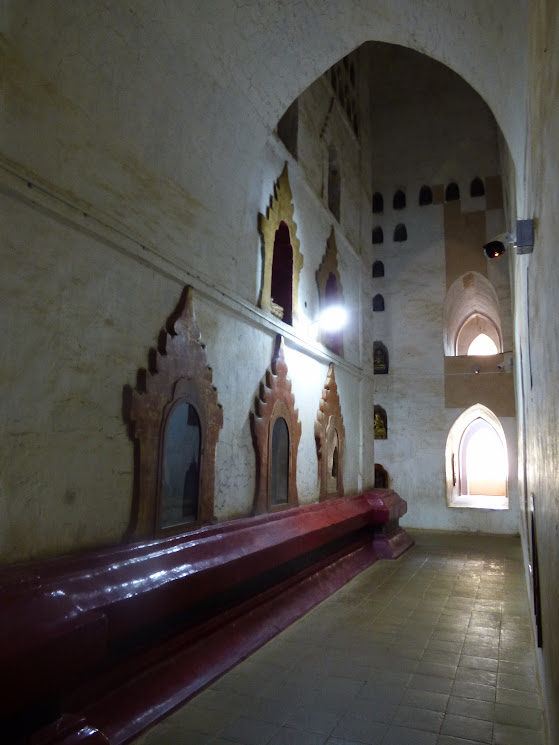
476	461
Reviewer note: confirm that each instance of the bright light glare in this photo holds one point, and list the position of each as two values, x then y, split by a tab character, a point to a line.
486	463
482	345
333	318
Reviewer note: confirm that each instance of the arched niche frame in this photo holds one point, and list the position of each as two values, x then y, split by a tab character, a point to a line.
178	376
330	292
279	217
329	435
275	402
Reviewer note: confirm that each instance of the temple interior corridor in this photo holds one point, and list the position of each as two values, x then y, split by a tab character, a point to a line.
434	648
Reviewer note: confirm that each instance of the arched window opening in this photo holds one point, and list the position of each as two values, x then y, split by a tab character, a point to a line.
378	303
425	196
477	461
380	424
452	192
478	335
288	128
482	345
471	308
279	471
482	461
180	473
400	233
399	201
378	235
477	189
378	269
334	182
282	275
378	202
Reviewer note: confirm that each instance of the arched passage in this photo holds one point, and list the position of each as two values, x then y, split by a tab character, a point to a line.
476	461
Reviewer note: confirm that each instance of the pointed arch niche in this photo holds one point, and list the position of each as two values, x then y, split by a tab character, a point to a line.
471	308
330	292
174	419
329	435
276	431
476	461
282	260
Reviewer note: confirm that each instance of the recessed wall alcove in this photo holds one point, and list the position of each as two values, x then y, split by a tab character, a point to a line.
174	420
380	423
452	192
425	196
400	233
378	303
380	358
378	202
330	292
382	479
276	431
378	235
399	201
378	269
477	188
282	260
329	435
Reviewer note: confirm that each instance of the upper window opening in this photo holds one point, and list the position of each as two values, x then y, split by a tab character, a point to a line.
288	128
334	183
452	192
477	189
378	269
378	202
282	275
425	196
399	201
482	345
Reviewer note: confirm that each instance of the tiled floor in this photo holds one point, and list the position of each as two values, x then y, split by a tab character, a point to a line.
435	648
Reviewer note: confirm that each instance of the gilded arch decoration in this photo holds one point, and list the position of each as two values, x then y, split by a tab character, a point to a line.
280	210
329	435
275	401
177	373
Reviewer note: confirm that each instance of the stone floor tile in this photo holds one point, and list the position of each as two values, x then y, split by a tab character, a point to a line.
471	675
476	691
313	719
469	707
505	734
479	663
468	728
425	700
431	683
422	719
249	731
518	698
518	716
289	736
406	736
359	728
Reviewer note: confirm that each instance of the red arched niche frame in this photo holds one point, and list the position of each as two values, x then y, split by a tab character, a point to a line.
177	372
275	399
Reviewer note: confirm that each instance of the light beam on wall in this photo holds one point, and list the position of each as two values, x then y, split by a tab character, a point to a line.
333	318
